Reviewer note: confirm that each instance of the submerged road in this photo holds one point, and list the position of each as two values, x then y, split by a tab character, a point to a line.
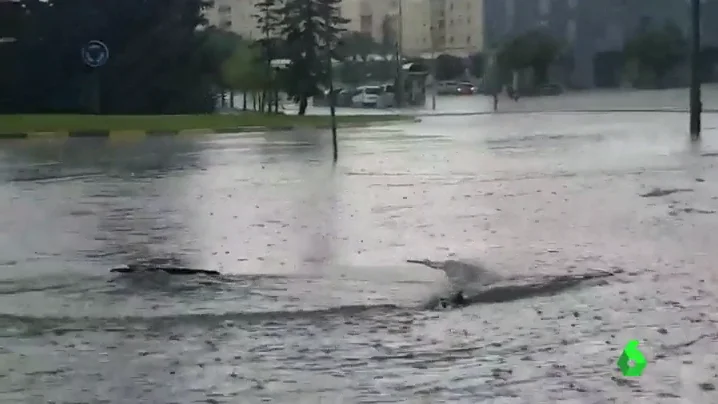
316	303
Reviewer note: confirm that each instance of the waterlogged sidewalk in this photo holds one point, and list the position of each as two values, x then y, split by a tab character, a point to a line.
556	193
320	306
609	100
538	193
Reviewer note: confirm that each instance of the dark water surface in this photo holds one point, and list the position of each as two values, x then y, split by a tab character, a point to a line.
316	303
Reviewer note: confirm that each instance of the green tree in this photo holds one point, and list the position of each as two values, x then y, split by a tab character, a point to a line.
353	45
388	34
656	51
242	71
12	21
312	29
268	19
534	49
158	57
478	64
449	67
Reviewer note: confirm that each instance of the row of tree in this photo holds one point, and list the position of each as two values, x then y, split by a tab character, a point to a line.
163	56
647	58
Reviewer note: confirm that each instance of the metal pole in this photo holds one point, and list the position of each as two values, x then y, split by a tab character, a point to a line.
695	94
399	60
97	92
434	84
332	100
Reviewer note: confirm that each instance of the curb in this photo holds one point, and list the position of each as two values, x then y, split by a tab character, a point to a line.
563	111
134	134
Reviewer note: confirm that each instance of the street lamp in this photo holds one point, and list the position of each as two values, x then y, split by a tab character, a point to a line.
434	87
695	93
399	87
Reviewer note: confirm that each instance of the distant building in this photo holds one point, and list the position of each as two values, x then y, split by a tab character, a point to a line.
364	16
591	27
441	26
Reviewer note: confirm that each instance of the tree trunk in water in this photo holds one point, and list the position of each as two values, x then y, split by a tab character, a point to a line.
303	103
276	100
254	101
231	99
244	100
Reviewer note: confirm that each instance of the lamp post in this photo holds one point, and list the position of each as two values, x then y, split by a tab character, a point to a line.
695	93
330	79
434	84
399	88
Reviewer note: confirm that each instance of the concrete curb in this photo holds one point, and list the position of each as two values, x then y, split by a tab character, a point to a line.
562	111
134	134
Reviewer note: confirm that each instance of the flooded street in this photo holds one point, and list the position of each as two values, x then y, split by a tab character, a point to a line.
317	304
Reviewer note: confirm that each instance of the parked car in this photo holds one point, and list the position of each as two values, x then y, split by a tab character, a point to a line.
366	96
467	88
343	97
550	89
386	98
446	87
456	88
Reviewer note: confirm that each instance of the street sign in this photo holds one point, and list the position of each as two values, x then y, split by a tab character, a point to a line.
95	53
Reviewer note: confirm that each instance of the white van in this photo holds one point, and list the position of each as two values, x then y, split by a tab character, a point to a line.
366	96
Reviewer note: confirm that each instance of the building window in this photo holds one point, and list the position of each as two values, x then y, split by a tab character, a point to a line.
544	7
571	31
468	39
510	10
365	23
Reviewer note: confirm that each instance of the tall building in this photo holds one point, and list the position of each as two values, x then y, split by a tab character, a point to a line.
369	16
442	26
366	16
236	16
591	28
427	26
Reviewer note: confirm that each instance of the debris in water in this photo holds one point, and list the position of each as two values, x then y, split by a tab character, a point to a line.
663	192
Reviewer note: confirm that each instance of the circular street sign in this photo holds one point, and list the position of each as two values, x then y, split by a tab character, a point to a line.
95	53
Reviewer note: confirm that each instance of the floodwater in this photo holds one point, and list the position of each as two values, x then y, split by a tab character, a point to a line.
316	303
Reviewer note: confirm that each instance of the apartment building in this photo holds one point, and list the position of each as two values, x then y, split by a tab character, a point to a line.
366	16
442	26
236	16
427	26
590	28
370	16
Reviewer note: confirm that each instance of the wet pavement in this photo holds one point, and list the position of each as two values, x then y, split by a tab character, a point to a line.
610	100
316	303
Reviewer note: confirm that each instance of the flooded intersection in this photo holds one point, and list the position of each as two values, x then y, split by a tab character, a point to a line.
317	304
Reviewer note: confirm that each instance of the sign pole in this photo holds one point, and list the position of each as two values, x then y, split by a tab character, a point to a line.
399	88
97	92
95	54
695	94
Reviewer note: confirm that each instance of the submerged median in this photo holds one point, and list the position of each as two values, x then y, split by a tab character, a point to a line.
20	126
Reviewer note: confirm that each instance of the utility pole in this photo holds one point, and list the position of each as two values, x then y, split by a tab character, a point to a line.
330	78
434	84
695	94
399	88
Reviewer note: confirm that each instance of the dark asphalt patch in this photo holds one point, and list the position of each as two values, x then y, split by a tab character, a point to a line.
656	192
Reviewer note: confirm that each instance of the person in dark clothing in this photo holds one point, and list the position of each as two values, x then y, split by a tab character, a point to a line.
457	300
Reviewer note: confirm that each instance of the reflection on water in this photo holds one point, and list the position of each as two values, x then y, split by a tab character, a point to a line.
315	301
